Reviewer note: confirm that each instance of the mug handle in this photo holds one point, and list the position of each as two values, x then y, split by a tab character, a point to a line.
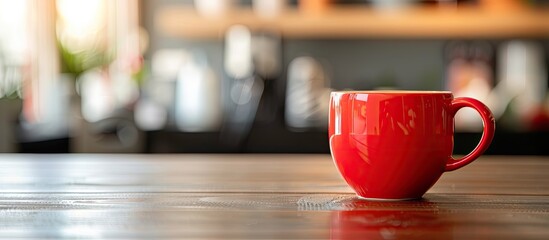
488	122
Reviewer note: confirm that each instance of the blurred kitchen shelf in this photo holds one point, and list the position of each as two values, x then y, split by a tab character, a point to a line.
363	22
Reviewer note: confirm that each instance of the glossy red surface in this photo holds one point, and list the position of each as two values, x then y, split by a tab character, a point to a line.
396	145
390	224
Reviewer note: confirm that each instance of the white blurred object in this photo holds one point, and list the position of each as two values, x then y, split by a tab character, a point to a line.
165	67
98	101
14	35
103	91
238	52
522	80
213	8
307	97
198	98
266	51
268	8
166	63
150	115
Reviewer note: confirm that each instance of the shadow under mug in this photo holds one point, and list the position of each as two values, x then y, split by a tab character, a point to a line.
394	145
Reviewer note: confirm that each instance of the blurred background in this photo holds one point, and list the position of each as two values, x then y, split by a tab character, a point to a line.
232	76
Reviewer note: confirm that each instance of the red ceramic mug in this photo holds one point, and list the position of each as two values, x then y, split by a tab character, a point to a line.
394	145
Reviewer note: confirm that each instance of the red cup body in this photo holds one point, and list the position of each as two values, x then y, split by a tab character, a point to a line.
391	145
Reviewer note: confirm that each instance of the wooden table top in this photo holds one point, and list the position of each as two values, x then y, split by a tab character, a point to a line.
259	197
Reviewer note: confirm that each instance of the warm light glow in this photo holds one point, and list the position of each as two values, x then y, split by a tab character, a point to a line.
80	23
13	26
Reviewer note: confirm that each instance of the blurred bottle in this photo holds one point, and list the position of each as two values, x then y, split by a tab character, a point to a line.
307	97
238	52
245	86
198	97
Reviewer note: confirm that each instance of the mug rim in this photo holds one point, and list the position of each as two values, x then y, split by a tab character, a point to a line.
395	92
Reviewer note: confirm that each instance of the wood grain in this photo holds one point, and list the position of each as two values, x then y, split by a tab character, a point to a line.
259	197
